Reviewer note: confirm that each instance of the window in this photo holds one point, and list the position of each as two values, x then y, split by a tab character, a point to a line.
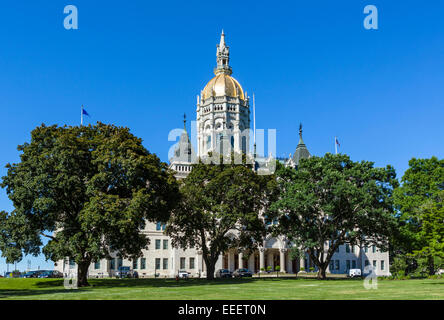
157	263
347	248
157	244
165	263
191	263
337	265
337	249
142	263
366	263
348	264
208	142
72	263
135	264
353	264
165	243
374	264
182	263
353	249
113	264
365	249
119	262
382	264
97	265
332	265
373	248
158	226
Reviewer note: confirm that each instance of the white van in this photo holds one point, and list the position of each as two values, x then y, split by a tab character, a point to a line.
354	273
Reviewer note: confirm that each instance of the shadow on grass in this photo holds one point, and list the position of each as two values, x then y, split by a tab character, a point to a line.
17	293
55	286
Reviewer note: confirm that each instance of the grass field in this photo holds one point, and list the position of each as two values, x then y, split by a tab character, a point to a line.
226	289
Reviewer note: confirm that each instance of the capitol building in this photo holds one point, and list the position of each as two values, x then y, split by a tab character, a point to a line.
223	112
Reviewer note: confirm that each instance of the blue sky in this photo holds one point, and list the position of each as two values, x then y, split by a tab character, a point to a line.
141	64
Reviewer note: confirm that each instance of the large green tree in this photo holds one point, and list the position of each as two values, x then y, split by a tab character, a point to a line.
89	190
220	209
419	201
334	200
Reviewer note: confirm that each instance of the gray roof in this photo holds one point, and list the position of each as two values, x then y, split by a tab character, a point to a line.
184	151
301	151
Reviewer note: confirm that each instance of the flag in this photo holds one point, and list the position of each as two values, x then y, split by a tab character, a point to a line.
85	113
337	142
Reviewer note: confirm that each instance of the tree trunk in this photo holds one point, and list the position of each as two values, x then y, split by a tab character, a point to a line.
322	271
82	274
431	265
210	270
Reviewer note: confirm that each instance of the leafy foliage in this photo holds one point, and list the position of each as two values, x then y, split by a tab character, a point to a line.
333	199
89	190
219	209
421	212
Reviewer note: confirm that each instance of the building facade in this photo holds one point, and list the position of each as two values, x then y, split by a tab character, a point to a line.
223	126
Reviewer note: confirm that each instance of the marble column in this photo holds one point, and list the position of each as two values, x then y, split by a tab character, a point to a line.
282	259
261	259
199	265
302	262
241	260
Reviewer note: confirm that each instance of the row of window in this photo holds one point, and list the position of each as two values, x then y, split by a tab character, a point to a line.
160	226
351	264
183	263
117	262
158	242
183	168
375	266
349	248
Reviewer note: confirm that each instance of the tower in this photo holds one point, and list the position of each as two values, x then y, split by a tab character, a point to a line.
223	111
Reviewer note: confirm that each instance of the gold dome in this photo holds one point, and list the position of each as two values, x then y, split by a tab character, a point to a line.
223	85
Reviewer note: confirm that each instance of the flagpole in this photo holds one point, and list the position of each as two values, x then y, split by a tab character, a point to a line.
336	146
81	116
254	126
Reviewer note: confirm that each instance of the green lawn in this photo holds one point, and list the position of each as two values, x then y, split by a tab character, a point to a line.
230	289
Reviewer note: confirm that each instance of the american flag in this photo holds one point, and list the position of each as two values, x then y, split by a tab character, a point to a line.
337	142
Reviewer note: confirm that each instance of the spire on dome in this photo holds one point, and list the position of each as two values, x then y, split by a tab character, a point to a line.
223	57
222	40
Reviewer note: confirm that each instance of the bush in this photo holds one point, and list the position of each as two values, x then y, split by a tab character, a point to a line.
269	268
312	269
278	268
302	269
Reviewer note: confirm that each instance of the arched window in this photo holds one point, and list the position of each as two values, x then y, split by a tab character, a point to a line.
208	142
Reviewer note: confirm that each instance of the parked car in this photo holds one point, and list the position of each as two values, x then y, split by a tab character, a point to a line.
352	273
50	274
34	274
240	273
223	273
183	274
126	272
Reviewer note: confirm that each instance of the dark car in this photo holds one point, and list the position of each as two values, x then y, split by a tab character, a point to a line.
34	274
223	273
51	274
239	273
126	272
